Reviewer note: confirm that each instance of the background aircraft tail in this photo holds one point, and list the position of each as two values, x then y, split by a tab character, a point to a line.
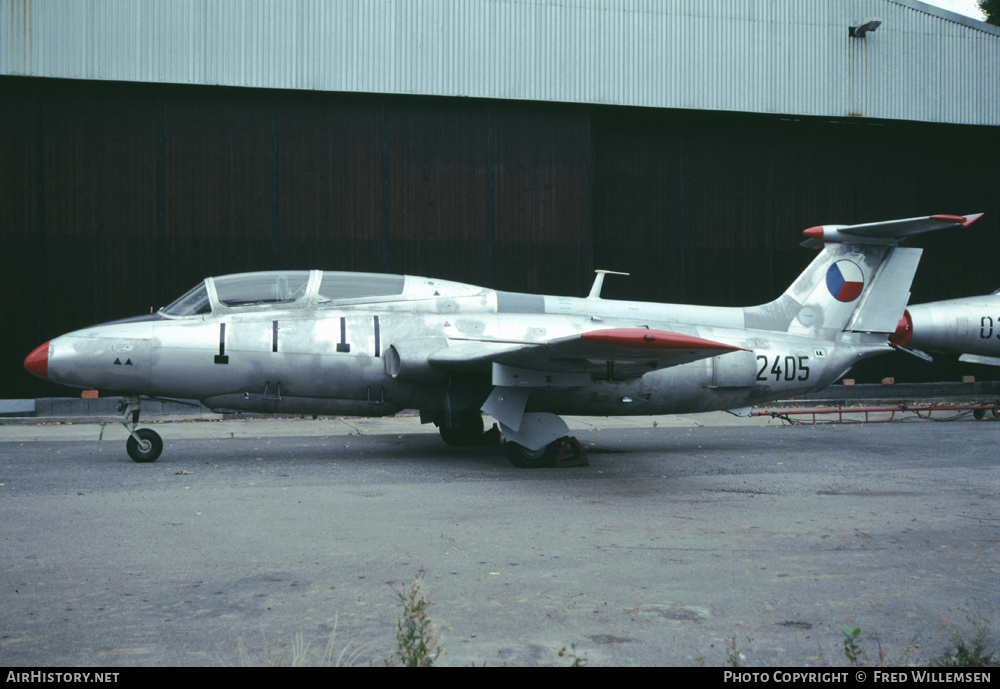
860	281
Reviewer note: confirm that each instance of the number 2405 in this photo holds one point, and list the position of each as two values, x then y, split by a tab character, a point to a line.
789	367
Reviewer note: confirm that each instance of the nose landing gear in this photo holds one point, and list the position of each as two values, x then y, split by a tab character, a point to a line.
143	444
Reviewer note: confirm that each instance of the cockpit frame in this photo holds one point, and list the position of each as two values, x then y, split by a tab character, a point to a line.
283	290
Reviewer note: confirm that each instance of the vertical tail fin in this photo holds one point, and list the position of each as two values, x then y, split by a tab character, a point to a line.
860	281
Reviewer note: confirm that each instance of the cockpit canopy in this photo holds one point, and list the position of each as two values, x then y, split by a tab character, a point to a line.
192	303
255	289
284	289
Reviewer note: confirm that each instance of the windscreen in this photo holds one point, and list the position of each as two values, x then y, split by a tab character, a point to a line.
195	301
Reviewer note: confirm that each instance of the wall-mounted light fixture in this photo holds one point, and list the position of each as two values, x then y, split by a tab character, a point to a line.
869	24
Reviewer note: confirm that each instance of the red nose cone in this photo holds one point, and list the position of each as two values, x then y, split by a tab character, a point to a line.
38	361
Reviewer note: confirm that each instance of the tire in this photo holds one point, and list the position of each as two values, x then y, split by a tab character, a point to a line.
523	458
149	455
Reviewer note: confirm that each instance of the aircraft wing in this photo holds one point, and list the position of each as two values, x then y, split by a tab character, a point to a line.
620	352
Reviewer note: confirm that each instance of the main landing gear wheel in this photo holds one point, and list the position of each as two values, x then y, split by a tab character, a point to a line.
523	458
467	431
147	448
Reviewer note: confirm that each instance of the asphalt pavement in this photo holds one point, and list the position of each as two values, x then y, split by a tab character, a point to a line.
687	540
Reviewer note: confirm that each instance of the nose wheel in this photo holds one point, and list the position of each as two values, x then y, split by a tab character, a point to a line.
143	444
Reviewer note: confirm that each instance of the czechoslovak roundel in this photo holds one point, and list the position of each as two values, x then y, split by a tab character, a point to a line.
845	280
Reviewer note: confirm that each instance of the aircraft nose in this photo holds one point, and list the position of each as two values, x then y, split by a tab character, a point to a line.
38	361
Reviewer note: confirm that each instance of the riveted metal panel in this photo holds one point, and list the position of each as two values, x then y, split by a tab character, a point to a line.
781	56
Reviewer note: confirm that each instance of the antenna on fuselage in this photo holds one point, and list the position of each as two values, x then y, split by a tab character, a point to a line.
595	290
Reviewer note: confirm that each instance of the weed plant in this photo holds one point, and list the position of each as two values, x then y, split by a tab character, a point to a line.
418	642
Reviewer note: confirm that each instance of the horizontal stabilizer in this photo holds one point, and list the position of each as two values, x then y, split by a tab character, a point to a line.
980	359
890	232
922	355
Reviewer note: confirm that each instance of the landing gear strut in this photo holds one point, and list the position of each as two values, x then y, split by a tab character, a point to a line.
143	444
467	431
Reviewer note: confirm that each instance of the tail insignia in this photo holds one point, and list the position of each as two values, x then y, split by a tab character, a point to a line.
845	280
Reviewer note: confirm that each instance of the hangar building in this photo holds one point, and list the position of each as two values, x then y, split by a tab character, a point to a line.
517	144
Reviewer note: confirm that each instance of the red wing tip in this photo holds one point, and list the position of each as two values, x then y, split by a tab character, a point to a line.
640	338
37	362
969	219
814	232
963	220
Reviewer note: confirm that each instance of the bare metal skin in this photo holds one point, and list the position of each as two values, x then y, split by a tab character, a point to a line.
969	327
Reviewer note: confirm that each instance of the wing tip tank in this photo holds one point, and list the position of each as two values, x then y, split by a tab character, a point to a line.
641	338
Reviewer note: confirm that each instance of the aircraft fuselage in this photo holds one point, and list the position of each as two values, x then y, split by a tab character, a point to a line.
969	326
359	359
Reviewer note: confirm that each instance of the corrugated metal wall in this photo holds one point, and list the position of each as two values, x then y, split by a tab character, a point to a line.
115	198
779	56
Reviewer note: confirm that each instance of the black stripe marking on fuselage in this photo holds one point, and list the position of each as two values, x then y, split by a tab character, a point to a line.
343	346
221	357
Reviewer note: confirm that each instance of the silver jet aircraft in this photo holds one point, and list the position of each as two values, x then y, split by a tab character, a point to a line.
969	327
335	343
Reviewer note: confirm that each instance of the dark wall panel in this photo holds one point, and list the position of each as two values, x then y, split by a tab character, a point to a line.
437	193
99	179
729	228
330	181
218	182
814	183
115	198
639	211
542	207
676	206
22	256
